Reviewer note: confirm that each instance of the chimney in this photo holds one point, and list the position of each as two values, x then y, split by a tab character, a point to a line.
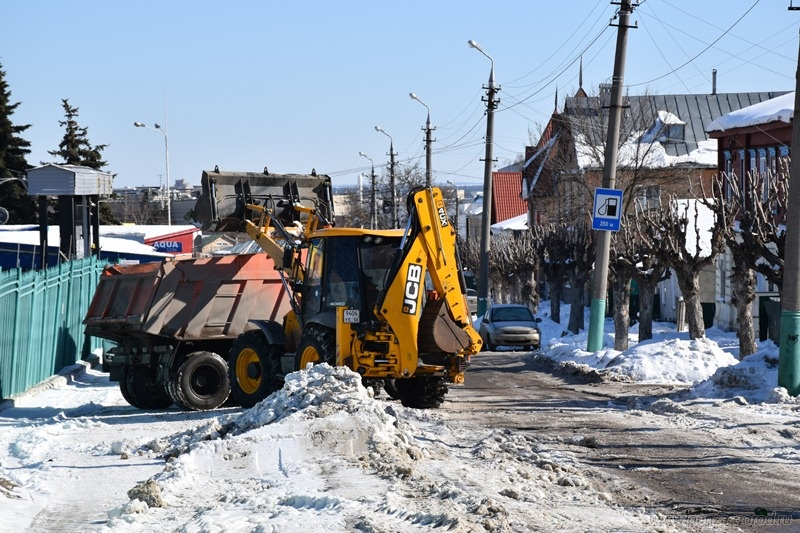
714	81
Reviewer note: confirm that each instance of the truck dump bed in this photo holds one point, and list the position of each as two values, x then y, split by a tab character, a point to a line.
210	298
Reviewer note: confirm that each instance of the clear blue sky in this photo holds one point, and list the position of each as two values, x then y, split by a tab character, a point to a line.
301	85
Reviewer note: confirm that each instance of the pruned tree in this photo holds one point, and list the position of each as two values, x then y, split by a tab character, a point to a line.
684	242
553	251
755	206
580	246
514	264
631	258
13	165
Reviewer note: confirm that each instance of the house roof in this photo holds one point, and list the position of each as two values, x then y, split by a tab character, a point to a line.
507	201
695	111
778	109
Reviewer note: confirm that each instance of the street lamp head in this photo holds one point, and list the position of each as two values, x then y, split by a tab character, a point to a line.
378	128
139	124
476	46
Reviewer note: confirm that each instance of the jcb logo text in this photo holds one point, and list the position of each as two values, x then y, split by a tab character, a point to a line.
411	294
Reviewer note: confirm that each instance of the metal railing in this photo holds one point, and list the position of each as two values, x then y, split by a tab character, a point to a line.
41	320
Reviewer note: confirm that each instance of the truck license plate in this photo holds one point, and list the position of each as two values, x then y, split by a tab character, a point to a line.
351	316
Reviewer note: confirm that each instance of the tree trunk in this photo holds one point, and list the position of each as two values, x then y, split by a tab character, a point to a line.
622	317
689	283
744	293
576	324
647	291
555	302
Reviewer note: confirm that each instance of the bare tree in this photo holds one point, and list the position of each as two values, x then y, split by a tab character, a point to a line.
755	206
580	246
514	265
676	233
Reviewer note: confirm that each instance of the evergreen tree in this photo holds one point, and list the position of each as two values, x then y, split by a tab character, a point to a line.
75	148
13	149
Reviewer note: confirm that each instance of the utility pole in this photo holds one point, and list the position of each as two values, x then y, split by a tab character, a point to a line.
789	341
428	140
373	217
600	285
486	214
395	220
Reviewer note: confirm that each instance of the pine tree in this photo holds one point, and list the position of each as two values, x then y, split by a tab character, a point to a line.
13	149
75	148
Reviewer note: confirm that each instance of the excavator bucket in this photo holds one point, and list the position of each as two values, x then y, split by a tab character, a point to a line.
438	332
225	195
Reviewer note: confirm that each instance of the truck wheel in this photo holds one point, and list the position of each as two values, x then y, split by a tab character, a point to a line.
126	393
201	381
421	393
254	368
317	345
143	390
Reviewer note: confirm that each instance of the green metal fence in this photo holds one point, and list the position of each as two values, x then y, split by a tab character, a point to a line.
41	321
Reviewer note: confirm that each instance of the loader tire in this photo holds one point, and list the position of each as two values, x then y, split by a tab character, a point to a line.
201	382
317	345
390	388
421	393
143	390
254	368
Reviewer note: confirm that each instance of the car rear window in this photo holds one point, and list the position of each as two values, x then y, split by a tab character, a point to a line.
512	313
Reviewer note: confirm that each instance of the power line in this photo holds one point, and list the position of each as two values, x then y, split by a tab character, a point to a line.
706	49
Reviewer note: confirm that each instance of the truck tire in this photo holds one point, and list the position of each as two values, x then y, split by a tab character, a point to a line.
141	389
422	392
126	393
201	382
254	368
317	345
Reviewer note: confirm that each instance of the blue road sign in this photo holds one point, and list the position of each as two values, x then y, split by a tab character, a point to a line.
607	209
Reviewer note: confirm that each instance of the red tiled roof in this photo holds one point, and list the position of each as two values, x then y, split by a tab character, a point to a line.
506	200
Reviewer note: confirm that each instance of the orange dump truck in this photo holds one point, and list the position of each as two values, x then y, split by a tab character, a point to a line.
174	323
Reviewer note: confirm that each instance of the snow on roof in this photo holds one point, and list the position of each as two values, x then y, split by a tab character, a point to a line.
668	118
29	235
512	224
780	109
649	155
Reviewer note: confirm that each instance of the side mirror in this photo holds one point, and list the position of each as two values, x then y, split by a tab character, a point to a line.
537	319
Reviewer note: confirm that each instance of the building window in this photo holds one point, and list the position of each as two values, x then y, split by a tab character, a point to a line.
728	170
676	133
647	197
763	172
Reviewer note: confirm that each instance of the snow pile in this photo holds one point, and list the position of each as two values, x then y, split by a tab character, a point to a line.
322	452
708	365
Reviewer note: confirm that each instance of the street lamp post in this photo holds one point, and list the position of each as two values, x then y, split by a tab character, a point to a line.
373	216
163	132
486	215
428	129
395	221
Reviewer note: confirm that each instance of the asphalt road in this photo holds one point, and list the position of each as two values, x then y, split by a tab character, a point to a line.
712	465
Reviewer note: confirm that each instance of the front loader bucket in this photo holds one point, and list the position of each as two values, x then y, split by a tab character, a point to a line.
438	332
222	203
